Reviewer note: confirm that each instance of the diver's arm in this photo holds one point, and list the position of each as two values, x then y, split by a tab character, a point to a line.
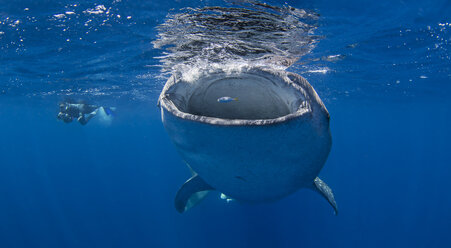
82	120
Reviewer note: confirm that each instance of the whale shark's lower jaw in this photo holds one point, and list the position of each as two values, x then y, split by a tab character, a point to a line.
271	141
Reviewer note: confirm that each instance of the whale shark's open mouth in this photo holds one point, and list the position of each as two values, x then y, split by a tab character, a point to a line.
249	95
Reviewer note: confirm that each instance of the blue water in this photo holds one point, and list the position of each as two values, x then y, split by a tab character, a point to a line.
382	68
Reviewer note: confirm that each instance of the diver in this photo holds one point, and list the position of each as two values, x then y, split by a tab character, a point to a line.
81	112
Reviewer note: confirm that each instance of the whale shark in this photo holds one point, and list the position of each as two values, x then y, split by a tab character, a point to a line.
268	144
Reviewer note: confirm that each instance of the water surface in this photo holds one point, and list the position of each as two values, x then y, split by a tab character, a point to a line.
381	67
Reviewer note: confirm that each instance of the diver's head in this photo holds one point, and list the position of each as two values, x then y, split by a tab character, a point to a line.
63	106
64	117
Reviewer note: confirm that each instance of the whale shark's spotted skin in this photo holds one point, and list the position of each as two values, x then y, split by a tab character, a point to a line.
270	143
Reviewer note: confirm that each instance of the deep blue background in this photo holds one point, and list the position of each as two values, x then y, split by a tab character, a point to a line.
113	186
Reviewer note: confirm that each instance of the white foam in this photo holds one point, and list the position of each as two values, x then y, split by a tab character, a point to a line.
15	23
59	16
99	9
322	70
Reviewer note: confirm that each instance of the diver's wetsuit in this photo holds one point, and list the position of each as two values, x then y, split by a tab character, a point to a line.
80	111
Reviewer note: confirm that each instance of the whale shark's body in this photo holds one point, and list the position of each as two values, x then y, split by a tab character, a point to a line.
270	143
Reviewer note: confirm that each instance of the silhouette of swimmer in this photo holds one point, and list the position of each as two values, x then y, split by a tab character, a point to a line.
81	112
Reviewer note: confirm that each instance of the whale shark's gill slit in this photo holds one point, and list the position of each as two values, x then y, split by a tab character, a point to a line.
241	178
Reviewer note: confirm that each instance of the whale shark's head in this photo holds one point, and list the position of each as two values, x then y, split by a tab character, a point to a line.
271	141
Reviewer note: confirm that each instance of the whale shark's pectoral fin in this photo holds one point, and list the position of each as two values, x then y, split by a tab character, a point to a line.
321	187
191	193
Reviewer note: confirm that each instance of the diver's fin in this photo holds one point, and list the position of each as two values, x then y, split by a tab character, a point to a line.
191	193
321	187
109	110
